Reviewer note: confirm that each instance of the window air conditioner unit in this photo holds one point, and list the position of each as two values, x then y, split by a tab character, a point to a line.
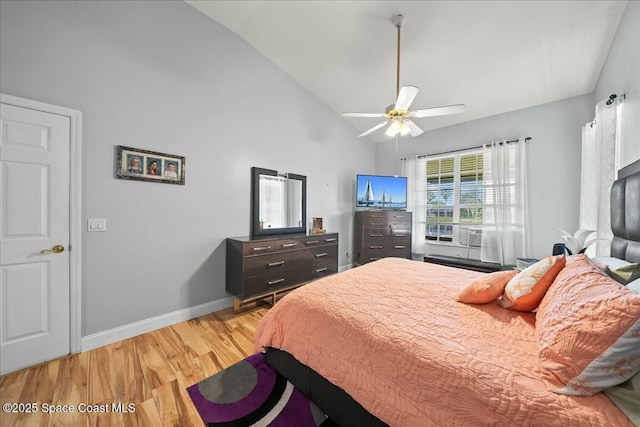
472	238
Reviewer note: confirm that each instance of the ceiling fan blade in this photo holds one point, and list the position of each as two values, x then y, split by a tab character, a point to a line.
363	115
414	129
405	97
375	128
439	111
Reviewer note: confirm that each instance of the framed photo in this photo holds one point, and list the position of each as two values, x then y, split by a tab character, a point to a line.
316	227
145	165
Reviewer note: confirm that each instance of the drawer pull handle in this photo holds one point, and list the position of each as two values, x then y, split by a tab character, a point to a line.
289	245
321	255
400	247
312	242
274	282
275	264
375	247
375	216
375	235
376	223
333	239
320	270
261	248
400	235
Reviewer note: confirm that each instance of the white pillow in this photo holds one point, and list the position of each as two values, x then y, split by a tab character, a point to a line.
634	286
612	262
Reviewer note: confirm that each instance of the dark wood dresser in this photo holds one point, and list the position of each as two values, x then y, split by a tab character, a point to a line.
267	267
381	234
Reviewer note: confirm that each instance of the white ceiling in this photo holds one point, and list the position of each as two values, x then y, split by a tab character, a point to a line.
493	56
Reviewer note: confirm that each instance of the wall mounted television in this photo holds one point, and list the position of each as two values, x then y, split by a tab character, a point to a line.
381	192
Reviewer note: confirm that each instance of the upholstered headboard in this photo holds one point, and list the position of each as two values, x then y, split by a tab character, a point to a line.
625	214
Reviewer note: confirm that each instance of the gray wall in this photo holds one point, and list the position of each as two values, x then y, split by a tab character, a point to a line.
621	75
553	160
162	76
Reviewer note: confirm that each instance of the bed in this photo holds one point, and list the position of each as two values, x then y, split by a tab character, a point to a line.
388	344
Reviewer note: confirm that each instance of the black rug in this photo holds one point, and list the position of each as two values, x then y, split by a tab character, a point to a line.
252	393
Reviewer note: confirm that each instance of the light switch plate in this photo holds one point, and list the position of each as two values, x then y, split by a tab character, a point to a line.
96	224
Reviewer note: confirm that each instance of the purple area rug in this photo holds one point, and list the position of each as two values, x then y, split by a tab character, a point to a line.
252	393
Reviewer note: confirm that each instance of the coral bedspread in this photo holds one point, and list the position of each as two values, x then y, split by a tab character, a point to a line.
391	334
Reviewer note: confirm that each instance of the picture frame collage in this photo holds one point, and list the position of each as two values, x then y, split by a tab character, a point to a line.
152	166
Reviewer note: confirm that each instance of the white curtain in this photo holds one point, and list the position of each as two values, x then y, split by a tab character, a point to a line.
415	169
600	163
505	224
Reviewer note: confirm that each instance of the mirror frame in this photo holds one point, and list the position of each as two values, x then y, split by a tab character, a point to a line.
255	204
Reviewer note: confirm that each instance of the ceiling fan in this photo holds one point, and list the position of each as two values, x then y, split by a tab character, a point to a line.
397	116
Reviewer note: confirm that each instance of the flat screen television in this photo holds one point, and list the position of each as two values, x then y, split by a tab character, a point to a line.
381	192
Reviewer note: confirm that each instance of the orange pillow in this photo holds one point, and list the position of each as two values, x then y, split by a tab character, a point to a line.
587	330
486	288
525	291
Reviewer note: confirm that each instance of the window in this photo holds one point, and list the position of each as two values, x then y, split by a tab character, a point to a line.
455	199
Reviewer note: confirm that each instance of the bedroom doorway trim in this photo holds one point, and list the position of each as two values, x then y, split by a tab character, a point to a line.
75	211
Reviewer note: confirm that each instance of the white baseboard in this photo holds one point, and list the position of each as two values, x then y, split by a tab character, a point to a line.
344	267
143	326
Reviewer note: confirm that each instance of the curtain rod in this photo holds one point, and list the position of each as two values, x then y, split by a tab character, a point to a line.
528	138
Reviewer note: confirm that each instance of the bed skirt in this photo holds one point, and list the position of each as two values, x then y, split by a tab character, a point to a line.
331	399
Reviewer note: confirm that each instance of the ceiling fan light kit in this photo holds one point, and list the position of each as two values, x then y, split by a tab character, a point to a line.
397	115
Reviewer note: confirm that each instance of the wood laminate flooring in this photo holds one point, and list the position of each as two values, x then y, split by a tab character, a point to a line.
148	374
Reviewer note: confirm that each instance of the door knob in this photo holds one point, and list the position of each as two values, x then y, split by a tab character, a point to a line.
56	249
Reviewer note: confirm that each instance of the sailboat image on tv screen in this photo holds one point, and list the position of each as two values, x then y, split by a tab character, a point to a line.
381	192
368	199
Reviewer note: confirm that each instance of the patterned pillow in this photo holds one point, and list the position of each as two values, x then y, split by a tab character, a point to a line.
486	288
587	330
525	291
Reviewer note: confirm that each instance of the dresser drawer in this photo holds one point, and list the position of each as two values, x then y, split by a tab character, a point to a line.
324	252
259	264
383	224
273	280
386	215
368	255
324	269
259	247
319	240
399	216
288	244
325	257
401	234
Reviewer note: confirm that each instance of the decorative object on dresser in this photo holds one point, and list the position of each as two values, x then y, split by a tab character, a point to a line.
266	268
317	227
381	234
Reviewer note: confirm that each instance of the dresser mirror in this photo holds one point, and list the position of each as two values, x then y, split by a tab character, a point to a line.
278	203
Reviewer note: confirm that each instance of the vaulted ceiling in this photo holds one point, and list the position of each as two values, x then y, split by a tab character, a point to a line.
493	56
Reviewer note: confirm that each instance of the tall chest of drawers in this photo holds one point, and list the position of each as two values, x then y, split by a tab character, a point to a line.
269	266
381	234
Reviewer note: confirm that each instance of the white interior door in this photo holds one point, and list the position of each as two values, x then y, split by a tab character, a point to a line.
34	218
